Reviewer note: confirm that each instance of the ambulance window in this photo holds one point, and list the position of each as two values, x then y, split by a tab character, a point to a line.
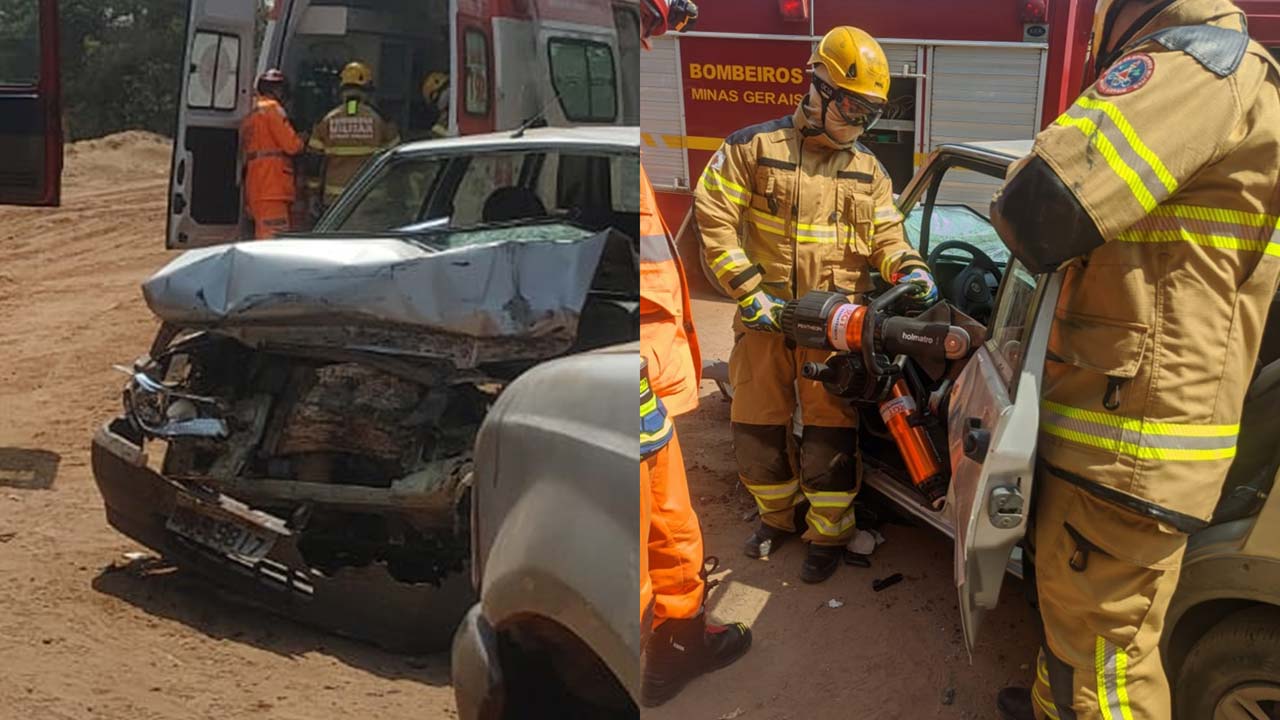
20	43
476	56
582	73
215	72
627	22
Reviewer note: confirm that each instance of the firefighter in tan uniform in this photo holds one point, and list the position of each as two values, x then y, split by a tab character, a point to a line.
785	207
1156	192
348	135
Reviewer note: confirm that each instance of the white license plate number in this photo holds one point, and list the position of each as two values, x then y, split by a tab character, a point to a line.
220	531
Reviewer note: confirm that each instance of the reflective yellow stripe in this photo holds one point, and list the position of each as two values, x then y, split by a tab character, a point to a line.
1112	156
716	182
334	189
1207	227
823	526
1122	692
830	499
769	223
1223	215
1131	136
815	234
351	150
1140	439
1143	426
1100	674
886	265
730	261
773	492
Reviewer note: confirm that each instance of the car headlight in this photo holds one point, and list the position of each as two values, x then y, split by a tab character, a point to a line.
160	411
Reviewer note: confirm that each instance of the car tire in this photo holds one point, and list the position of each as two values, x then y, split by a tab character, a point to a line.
1238	660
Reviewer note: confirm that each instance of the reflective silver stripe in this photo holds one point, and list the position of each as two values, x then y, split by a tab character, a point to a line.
1131	156
1110	664
728	261
654	248
823	526
258	154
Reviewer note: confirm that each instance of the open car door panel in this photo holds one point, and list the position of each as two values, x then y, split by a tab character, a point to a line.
993	422
30	106
217	90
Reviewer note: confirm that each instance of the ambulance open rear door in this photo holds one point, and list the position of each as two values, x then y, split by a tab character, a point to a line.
217	92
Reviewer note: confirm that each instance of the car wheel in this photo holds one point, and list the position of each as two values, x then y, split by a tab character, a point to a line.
1233	671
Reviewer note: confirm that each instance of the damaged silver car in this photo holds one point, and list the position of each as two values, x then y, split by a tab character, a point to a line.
302	428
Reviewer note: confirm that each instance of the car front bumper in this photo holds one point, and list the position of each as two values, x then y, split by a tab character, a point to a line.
365	603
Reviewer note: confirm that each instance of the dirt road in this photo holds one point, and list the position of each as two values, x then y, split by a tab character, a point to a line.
894	654
81	635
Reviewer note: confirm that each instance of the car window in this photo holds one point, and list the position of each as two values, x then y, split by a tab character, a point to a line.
1015	309
956	222
396	199
469	190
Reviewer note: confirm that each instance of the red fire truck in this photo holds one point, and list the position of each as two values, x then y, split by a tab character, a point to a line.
962	71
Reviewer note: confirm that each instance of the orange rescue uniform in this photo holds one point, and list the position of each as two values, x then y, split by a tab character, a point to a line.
268	142
671	584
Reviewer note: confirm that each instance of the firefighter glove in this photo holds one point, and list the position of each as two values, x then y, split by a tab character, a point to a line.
761	311
926	292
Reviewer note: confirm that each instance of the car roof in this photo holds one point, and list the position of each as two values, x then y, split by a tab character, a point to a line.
596	137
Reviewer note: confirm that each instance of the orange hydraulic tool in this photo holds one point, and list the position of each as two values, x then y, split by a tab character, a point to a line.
862	336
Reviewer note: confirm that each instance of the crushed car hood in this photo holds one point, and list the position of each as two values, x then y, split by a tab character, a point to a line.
469	304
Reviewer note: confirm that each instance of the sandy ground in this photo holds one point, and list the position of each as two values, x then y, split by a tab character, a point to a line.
894	654
82	635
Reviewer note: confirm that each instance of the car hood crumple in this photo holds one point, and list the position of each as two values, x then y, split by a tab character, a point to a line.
503	300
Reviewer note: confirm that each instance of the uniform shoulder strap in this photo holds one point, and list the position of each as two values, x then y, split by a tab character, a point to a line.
1218	49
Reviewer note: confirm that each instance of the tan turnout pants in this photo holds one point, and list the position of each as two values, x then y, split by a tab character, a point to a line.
1105	577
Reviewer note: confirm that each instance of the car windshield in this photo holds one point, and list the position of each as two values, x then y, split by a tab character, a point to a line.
523	233
595	189
956	222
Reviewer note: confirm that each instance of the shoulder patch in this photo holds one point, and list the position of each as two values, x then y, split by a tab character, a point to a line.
743	136
1218	49
1129	73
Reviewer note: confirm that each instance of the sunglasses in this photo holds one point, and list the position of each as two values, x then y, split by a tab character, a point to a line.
852	107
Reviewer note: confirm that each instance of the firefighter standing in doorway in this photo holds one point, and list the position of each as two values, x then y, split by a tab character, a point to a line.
680	642
268	144
785	207
1165	220
347	136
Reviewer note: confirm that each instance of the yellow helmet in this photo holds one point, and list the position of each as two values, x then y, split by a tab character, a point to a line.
432	84
855	61
356	74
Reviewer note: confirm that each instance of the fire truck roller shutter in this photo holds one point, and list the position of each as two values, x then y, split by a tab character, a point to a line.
660	114
978	94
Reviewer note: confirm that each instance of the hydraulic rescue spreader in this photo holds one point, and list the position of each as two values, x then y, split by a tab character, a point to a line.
890	362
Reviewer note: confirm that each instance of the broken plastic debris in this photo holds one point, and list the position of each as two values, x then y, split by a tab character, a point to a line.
865	542
835	604
136	556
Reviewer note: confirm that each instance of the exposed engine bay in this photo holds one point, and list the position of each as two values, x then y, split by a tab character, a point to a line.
316	402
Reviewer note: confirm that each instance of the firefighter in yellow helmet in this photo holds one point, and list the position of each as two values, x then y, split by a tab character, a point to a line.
435	96
1163	220
348	135
788	206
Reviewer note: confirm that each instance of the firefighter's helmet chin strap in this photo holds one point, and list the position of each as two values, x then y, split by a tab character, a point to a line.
1102	62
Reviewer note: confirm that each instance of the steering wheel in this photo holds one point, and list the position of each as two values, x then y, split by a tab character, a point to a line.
968	290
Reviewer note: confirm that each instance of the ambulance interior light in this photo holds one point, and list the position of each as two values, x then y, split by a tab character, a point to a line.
794	10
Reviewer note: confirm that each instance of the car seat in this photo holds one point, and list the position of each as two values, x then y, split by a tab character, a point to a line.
512	203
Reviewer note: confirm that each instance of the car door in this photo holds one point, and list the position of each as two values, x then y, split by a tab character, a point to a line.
217	93
30	104
992	426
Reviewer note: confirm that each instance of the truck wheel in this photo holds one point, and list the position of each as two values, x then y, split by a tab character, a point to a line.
1233	671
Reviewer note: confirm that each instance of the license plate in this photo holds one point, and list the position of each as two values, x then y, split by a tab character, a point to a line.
219	530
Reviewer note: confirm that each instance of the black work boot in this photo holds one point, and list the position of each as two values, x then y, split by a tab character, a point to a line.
820	562
764	541
1014	703
681	650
